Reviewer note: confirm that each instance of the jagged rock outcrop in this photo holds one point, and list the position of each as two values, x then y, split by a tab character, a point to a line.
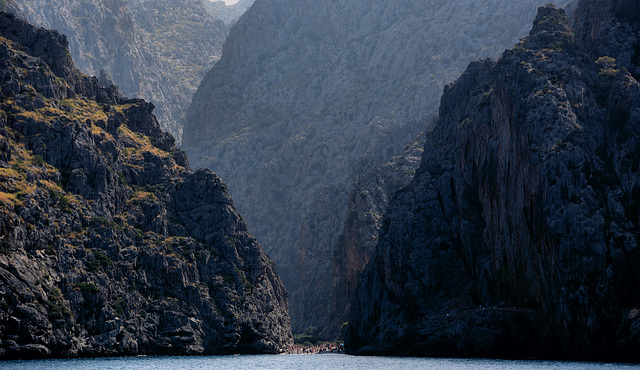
157	50
310	95
518	236
229	14
109	243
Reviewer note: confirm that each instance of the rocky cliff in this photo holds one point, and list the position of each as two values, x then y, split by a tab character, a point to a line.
368	201
109	243
157	50
310	95
188	41
518	236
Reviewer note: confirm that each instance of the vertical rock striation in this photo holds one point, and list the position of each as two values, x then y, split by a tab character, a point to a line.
368	202
109	243
518	236
310	95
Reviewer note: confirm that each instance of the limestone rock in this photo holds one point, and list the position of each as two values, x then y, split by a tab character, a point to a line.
109	243
518	236
157	50
310	95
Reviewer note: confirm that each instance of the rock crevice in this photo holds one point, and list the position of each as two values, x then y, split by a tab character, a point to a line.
518	236
109	243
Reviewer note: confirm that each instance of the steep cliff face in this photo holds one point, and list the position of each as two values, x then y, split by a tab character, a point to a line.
187	40
309	95
519	234
368	201
158	50
337	238
109	243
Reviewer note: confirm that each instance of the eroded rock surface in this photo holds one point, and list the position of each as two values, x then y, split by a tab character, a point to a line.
518	236
109	243
157	50
310	95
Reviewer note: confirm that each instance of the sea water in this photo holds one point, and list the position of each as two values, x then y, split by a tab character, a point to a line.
306	362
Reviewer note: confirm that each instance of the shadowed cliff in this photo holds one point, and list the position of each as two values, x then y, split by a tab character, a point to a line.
309	96
109	243
518	236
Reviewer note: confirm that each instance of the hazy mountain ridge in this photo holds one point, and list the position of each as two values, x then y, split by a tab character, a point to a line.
229	14
518	236
109	243
187	39
312	94
154	49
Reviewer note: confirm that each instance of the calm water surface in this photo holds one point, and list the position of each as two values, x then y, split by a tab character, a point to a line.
307	362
